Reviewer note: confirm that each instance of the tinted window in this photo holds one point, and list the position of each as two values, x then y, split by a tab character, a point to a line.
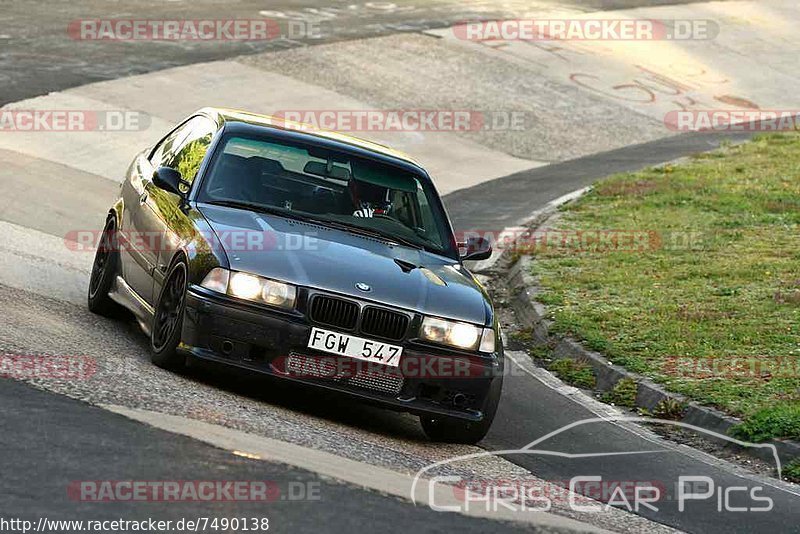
299	180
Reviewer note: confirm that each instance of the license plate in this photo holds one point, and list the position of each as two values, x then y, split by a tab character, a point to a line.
355	347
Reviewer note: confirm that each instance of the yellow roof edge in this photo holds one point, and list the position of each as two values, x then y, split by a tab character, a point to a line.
229	114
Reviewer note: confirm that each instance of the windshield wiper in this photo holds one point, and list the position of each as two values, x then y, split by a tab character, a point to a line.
369	232
246	206
261	208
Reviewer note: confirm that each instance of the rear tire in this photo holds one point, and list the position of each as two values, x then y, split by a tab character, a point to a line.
451	430
165	333
104	270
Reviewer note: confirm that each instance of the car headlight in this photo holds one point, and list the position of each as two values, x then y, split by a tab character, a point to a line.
251	287
455	334
217	280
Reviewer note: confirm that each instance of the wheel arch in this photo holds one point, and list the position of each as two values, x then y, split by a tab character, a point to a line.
116	211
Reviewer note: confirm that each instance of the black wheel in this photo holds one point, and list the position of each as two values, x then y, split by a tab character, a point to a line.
165	334
451	430
104	269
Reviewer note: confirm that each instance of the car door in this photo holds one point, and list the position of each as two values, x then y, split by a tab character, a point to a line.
137	255
165	215
143	234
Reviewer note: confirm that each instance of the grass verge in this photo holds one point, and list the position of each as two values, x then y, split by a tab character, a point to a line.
576	373
792	471
622	394
690	274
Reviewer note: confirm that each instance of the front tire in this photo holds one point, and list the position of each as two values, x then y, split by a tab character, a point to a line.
104	270
451	430
165	333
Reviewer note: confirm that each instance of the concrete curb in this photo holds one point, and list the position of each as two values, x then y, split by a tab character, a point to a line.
420	491
532	315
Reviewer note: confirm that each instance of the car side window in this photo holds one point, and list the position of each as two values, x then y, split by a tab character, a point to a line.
425	213
185	148
159	152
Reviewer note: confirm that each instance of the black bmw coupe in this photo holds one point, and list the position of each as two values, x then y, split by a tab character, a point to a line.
311	256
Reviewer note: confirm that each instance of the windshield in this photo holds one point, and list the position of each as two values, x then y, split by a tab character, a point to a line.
333	187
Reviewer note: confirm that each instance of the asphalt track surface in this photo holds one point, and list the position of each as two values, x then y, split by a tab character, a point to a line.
528	410
35	58
48	439
527	413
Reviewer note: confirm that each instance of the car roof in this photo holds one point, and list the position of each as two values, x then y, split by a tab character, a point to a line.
223	115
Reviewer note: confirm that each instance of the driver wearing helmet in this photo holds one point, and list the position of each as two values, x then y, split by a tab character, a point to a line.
369	199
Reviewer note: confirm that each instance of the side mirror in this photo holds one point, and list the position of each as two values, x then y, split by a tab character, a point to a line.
475	248
170	180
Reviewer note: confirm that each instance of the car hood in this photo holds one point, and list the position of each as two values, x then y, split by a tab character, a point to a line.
335	260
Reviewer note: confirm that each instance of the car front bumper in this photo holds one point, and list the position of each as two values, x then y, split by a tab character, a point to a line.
429	381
